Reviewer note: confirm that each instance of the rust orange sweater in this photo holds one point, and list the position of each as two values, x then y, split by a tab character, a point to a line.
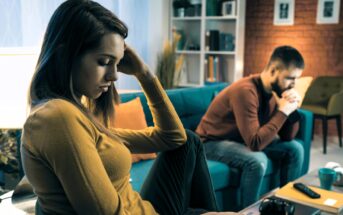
244	112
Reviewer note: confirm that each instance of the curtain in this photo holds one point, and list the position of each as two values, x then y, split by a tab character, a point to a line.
24	22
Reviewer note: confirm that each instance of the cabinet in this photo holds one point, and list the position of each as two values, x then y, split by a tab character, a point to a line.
212	43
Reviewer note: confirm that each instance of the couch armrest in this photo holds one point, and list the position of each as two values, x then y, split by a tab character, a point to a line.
335	105
2	178
305	135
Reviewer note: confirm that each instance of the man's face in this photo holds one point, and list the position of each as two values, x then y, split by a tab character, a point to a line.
285	80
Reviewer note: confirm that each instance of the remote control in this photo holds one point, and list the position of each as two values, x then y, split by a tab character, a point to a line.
306	190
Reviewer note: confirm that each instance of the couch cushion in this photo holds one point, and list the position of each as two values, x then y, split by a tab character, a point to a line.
139	173
221	174
316	108
190	103
301	86
130	115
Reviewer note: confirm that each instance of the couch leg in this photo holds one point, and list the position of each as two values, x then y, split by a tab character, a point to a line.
313	126
325	133
339	129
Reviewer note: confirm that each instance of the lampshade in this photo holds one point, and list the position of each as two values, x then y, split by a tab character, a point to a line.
16	70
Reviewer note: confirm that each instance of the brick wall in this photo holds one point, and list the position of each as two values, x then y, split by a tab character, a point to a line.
321	45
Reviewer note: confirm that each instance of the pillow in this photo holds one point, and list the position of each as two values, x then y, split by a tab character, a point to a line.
301	86
130	115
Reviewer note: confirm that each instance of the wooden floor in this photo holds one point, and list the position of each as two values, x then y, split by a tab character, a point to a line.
334	152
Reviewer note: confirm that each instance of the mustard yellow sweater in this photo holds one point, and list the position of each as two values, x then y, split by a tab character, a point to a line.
76	169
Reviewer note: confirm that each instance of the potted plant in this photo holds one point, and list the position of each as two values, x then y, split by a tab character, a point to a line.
169	65
8	152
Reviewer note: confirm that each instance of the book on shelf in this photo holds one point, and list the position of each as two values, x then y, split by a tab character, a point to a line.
219	41
210	76
224	68
329	201
213	7
226	42
207	41
206	72
214	40
215	67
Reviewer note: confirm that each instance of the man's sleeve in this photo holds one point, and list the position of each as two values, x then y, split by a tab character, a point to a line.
245	105
291	127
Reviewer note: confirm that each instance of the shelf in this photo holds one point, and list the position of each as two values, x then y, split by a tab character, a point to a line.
201	64
190	18
221	52
221	17
188	52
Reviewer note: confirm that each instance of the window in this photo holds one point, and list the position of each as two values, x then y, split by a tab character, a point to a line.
23	24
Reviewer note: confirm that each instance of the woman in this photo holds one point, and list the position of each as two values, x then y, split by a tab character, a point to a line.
74	162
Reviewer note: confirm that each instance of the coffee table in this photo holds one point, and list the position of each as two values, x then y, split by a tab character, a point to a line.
310	179
299	209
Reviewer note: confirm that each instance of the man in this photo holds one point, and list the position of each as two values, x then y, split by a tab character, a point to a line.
255	119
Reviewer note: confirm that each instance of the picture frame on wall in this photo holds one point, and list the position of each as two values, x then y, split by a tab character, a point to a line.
284	12
328	11
229	8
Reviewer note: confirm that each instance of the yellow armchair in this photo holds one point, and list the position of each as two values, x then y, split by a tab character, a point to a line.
325	99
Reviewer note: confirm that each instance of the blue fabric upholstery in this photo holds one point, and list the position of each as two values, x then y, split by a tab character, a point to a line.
191	104
2	178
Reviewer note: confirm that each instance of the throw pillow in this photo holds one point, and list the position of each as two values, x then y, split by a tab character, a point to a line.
301	86
130	115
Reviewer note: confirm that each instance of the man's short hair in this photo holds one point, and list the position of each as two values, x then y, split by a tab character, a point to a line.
287	57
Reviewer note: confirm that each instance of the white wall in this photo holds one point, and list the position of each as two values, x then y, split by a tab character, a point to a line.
16	69
158	29
148	22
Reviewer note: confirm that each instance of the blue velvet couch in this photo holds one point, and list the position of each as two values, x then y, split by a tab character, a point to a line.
191	104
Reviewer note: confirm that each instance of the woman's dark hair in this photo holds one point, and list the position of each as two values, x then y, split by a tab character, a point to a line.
75	28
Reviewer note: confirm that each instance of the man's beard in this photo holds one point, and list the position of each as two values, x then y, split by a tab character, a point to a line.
277	89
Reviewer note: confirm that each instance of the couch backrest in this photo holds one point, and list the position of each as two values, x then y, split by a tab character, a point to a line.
190	103
322	88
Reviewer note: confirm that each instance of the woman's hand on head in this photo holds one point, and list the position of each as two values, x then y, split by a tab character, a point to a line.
132	64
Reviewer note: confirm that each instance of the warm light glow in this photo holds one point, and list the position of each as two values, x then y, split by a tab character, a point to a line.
239	70
16	70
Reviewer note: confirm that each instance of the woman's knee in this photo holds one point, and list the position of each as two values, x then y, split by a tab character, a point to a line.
193	142
192	137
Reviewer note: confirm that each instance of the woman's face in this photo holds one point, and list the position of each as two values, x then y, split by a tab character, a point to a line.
94	72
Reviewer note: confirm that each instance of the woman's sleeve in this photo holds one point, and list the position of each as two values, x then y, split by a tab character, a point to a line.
168	131
69	147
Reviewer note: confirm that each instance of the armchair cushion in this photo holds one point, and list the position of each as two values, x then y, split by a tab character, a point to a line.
325	90
301	86
316	108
